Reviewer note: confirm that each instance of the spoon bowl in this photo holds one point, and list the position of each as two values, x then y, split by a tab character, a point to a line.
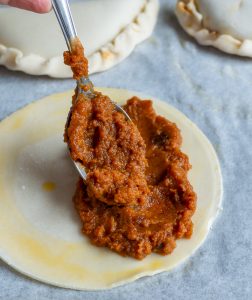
64	16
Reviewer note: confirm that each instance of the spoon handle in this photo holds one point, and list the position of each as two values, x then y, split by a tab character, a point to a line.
64	16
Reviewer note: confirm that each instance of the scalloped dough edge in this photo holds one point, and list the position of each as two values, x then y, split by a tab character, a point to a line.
191	20
106	57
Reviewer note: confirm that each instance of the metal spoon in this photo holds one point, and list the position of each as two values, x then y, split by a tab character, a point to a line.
64	16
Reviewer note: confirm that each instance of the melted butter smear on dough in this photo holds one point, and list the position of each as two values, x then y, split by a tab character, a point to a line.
76	263
50	255
18	122
49	186
113	277
45	256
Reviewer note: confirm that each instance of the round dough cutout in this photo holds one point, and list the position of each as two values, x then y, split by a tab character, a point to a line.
40	231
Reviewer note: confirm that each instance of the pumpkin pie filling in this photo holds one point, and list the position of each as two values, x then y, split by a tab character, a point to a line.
136	198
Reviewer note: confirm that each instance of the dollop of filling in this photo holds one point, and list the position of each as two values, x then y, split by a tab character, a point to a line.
136	198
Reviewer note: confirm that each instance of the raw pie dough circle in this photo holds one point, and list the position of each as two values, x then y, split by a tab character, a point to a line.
34	43
40	232
225	24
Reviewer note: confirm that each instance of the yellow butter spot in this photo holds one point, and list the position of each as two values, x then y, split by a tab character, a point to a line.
156	265
106	54
17	122
48	186
118	276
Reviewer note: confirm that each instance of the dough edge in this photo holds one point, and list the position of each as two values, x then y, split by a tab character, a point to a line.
191	21
106	57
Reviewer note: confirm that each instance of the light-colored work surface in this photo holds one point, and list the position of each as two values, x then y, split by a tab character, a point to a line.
214	91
